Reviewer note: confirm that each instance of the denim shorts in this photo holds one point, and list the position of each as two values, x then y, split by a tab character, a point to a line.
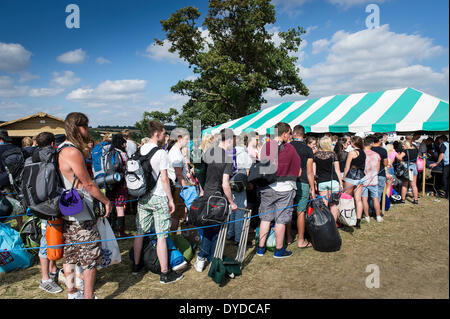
328	186
371	189
43	249
412	166
353	181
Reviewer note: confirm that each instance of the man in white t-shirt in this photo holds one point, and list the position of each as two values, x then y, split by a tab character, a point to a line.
155	208
131	145
177	173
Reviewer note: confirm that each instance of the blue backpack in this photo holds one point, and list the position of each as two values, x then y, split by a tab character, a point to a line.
106	161
17	257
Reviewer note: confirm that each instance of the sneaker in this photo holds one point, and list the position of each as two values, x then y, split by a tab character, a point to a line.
367	219
135	269
260	251
50	286
402	201
181	267
379	219
282	253
416	202
199	265
78	295
170	276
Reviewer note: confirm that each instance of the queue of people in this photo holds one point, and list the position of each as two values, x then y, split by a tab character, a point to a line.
306	167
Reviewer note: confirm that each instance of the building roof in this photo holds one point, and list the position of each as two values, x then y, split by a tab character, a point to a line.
34	124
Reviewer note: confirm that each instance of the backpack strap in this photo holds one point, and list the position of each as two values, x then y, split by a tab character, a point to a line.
145	161
58	150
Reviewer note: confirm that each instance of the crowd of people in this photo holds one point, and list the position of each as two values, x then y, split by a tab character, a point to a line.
306	167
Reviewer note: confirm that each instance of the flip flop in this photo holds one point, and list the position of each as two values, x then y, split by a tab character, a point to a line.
308	245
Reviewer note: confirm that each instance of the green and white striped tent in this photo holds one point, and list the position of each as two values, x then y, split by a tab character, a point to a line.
400	110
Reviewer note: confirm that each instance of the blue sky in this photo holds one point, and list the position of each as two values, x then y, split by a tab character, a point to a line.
109	69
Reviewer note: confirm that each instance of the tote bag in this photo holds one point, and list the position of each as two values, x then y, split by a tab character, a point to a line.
110	248
347	212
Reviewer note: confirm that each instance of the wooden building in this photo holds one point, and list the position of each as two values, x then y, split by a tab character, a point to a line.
33	125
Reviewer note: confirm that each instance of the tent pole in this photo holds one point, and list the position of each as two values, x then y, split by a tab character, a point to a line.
424	175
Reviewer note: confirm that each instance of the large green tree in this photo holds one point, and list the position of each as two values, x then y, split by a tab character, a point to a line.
234	58
164	118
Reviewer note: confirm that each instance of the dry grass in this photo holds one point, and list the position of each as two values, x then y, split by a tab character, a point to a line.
411	249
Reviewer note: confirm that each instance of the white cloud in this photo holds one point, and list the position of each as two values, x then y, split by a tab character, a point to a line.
372	60
13	57
320	45
72	57
102	60
9	90
161	53
65	79
26	76
46	92
109	91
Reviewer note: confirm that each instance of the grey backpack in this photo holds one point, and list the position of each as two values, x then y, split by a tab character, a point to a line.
42	184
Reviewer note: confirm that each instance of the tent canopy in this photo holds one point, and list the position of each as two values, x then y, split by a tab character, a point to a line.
400	110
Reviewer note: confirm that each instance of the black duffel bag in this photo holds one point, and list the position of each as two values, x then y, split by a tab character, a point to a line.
321	227
206	211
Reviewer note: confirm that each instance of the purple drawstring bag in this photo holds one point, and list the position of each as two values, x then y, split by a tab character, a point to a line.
70	202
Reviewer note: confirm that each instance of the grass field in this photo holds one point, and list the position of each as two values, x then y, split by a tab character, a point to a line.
411	249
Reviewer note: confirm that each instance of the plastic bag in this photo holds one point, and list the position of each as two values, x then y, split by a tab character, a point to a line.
321	227
270	241
110	248
347	212
17	257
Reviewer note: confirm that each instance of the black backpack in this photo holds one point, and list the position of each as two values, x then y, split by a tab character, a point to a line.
14	160
263	173
149	258
42	183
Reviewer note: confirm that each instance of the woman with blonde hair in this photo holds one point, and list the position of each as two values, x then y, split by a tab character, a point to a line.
328	174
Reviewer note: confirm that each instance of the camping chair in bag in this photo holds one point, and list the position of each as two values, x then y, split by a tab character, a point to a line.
220	265
240	255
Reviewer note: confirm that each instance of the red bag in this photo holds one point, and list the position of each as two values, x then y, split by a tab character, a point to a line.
54	237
